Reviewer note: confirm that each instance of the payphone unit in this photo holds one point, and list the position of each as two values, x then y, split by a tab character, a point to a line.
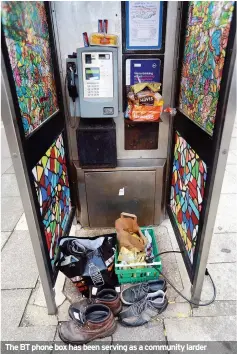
98	82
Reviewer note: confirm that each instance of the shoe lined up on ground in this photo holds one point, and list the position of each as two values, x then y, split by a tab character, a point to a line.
96	322
138	291
143	310
108	297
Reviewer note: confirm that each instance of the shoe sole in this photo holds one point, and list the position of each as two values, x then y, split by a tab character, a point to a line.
131	303
142	324
108	334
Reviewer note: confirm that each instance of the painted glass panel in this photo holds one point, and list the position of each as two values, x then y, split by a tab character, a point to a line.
206	40
187	190
52	187
27	39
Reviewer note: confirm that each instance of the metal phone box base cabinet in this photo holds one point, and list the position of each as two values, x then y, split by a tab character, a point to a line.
98	82
133	186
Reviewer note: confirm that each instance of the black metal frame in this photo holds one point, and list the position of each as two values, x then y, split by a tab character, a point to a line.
37	143
206	146
133	51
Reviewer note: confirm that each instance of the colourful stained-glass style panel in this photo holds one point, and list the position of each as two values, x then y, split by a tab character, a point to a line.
206	40
187	190
51	182
27	39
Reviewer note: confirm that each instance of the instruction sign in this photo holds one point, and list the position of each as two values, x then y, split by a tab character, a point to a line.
143	25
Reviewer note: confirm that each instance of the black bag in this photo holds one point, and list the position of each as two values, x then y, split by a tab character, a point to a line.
88	262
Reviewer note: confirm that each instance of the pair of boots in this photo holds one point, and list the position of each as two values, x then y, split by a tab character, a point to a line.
91	321
97	320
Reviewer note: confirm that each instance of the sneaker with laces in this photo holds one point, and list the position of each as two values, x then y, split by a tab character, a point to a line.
142	311
137	292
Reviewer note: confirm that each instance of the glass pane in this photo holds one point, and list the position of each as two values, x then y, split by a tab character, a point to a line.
51	182
188	183
204	55
27	39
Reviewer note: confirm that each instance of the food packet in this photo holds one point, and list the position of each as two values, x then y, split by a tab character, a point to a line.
145	102
103	39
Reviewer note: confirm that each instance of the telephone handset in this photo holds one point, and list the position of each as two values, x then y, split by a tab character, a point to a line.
71	82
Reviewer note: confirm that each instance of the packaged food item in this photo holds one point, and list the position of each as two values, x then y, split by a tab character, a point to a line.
85	39
100	26
103	39
145	113
106	22
145	102
129	234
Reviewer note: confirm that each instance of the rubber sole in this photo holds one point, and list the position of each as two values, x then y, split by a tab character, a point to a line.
124	324
109	333
131	303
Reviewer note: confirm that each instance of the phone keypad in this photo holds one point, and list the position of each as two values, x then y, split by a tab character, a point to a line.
93	90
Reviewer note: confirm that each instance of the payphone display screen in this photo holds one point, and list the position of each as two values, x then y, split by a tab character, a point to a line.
97	74
92	73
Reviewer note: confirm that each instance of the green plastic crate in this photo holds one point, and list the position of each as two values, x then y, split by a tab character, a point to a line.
142	274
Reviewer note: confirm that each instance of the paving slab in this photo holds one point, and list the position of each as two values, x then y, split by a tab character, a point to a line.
13	304
6	163
233	144
178	310
218	308
10	170
234	132
232	158
169	264
11	211
223	248
9	186
37	295
71	292
38	316
19	268
63	311
142	333
84	232
22	223
226	220
31	334
224	277
59	286
230	180
201	328
4	238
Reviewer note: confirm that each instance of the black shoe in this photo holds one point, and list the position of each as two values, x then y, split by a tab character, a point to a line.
137	292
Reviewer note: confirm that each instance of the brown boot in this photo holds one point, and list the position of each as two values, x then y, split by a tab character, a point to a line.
98	322
108	297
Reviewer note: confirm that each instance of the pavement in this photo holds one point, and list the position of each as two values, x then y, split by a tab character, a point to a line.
24	313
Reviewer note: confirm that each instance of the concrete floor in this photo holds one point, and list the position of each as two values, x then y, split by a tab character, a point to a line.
24	315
